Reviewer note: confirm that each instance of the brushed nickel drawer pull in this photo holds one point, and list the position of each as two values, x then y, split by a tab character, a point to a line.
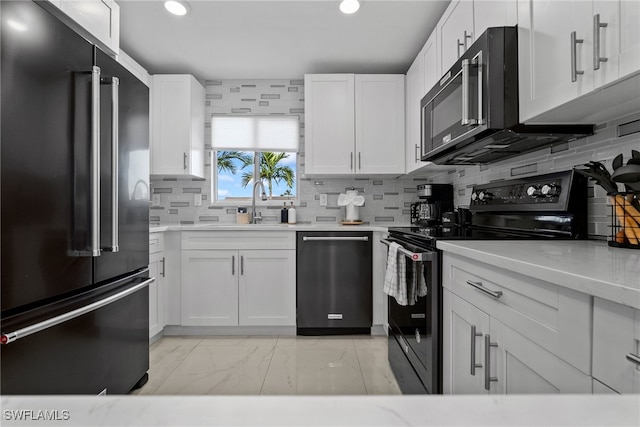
480	287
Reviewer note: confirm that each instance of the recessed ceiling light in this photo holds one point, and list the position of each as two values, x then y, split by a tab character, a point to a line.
349	6
177	7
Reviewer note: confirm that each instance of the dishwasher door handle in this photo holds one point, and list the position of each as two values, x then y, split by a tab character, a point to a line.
336	239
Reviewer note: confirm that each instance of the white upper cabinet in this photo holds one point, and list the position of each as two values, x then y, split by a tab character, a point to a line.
134	67
493	13
629	59
455	32
177	125
354	124
578	55
379	103
431	65
97	20
414	90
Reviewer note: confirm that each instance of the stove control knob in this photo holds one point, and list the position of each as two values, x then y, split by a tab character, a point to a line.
474	196
534	191
550	190
485	197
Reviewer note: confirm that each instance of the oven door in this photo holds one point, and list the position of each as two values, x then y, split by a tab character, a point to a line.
415	342
453	109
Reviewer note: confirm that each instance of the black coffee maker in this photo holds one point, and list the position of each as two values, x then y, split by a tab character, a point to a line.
434	200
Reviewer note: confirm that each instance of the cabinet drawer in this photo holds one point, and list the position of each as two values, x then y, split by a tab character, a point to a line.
156	243
556	318
616	336
238	240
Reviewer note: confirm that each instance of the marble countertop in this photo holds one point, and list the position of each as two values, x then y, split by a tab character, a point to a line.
271	227
586	266
424	410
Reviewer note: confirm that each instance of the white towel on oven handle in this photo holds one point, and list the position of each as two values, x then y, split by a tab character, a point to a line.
395	278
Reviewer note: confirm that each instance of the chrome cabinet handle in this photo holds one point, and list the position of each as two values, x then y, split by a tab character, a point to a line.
479	286
359	160
233	265
574	64
184	160
488	379
474	335
163	267
37	327
597	59
95	162
242	265
351	161
466	36
417	153
115	126
633	358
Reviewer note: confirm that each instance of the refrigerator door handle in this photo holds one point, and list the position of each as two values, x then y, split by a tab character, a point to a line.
95	162
37	327
115	122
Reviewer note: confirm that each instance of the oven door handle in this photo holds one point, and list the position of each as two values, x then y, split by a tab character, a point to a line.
413	256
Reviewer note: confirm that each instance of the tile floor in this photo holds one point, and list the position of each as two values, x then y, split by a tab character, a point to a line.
283	365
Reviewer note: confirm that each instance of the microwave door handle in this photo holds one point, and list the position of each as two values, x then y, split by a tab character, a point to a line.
466	120
478	60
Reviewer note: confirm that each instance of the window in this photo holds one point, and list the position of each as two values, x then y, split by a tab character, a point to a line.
246	145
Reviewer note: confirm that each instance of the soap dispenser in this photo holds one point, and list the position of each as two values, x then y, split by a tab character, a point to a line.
292	215
284	214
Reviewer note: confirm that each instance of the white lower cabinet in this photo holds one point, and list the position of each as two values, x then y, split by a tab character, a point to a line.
209	288
616	347
230	287
267	288
504	333
157	291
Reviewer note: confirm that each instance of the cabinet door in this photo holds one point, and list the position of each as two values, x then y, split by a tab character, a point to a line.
329	124
432	69
413	94
379	101
493	13
267	288
156	294
177	126
464	327
616	343
209	288
607	12
455	32
517	365
99	19
544	53
629	61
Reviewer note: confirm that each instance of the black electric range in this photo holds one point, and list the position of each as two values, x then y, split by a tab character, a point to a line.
550	206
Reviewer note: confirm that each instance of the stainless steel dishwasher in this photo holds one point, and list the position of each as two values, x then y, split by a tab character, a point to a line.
334	282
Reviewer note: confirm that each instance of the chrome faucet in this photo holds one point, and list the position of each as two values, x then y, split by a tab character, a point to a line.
254	217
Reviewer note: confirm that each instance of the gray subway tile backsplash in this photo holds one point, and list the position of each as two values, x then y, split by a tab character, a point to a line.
274	97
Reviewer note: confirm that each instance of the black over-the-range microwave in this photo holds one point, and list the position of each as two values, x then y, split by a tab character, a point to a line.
471	115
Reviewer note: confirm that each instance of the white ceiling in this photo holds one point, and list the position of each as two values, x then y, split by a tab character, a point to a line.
265	39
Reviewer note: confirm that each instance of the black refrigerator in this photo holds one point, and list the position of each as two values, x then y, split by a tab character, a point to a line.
75	212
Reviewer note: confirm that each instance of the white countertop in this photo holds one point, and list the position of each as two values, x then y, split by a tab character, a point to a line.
424	410
271	227
586	266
